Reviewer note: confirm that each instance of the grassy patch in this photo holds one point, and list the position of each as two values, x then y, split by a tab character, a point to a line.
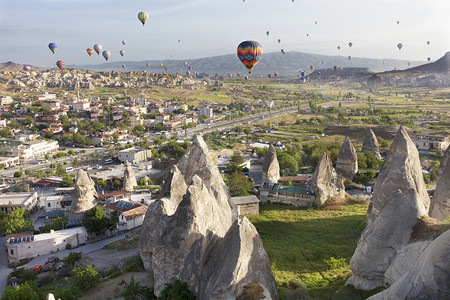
130	242
313	246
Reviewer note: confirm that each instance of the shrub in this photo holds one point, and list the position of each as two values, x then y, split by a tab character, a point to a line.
336	263
72	258
134	290
252	291
68	246
178	291
86	277
24	291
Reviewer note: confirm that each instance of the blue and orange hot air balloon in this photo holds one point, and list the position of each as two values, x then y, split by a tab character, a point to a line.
53	47
249	53
90	51
61	64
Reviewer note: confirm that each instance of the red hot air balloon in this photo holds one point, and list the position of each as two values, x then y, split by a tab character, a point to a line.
90	51
26	68
61	64
275	74
249	53
311	67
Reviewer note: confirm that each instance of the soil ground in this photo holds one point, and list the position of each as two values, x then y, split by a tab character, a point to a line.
111	289
106	258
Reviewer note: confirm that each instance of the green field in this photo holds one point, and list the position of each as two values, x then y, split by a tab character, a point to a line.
299	243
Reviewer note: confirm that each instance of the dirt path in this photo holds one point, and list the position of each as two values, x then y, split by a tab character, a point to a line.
111	289
106	258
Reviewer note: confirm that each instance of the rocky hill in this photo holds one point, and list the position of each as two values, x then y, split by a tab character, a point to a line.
73	79
14	66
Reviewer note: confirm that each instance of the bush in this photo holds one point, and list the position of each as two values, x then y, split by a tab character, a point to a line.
134	264
72	258
18	174
336	263
24	291
86	277
177	291
134	290
68	246
72	293
253	291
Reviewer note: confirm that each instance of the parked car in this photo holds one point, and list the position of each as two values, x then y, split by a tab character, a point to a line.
37	269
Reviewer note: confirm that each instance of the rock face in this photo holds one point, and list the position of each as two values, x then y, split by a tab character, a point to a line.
271	168
347	161
85	196
429	277
440	203
326	183
370	144
192	233
400	199
129	180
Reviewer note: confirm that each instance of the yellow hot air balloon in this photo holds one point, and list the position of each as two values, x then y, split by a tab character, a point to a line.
143	17
161	64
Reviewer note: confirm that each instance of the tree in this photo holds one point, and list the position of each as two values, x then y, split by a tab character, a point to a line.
18	174
86	277
159	127
433	175
238	184
5	132
237	158
288	164
17	222
67	181
97	221
75	162
24	291
72	258
177	291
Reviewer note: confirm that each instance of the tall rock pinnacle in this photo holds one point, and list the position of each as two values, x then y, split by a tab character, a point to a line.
326	183
85	196
440	203
271	168
370	144
347	161
129	180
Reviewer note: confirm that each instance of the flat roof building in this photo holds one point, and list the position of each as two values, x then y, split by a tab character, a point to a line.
11	201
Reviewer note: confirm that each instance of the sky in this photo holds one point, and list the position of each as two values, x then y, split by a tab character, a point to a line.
215	27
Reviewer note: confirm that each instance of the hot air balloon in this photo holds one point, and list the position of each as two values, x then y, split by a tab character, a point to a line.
279	41
90	51
53	47
122	52
189	68
147	64
275	74
267	32
302	74
249	53
339	47
61	64
429	58
166	68
349	57
171	55
239	74
188	73
98	48
269	75
124	42
311	67
179	41
409	64
350	44
230	75
323	62
303	80
123	66
106	54
307	34
246	77
399	46
428	42
383	63
26	68
185	63
143	17
161	64
282	51
315	22
398	22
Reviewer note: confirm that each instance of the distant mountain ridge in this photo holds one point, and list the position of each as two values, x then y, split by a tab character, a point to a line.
442	65
15	66
286	65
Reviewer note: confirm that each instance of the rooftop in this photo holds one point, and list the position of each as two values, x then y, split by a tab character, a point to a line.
122	206
60	233
135	212
245	200
15	198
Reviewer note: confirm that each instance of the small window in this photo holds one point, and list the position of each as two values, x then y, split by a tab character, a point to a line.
49	205
12	251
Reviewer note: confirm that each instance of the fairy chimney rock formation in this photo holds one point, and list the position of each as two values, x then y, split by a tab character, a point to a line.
440	203
347	161
129	180
326	183
85	196
193	234
370	144
271	168
400	199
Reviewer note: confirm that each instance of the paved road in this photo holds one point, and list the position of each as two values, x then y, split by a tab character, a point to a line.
40	260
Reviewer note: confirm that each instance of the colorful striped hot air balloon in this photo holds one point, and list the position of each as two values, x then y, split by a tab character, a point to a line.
53	47
143	17
90	51
249	53
61	64
26	68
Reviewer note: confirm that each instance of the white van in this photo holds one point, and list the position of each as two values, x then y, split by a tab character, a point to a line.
69	169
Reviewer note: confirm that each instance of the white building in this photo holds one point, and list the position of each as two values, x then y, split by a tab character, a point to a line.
31	149
45	96
431	142
134	155
205	110
5	100
132	218
11	201
9	161
3	123
25	245
52	203
81	106
142	102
